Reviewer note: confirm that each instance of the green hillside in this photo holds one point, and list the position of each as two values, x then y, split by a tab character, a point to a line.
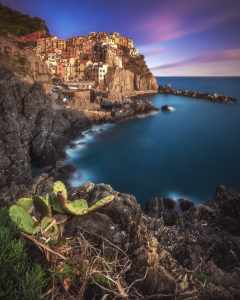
20	24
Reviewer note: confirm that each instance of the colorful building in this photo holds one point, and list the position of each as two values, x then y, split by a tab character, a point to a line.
97	72
80	66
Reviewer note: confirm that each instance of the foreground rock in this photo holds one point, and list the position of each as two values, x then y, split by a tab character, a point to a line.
208	96
159	245
210	233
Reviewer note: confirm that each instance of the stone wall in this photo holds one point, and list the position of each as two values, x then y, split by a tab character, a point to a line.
36	64
82	100
85	84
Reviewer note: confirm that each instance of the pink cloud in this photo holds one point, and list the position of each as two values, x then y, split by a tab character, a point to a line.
226	55
182	18
155	51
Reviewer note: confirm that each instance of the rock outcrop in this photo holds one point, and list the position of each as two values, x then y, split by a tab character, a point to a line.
125	82
209	235
199	235
208	96
30	126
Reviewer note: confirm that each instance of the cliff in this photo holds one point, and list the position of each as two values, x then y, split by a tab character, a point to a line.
30	127
19	24
124	81
18	57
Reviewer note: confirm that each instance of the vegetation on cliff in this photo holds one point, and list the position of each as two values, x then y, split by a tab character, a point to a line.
20	24
136	65
20	279
17	64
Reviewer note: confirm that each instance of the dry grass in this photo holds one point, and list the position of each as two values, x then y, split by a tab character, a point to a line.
79	264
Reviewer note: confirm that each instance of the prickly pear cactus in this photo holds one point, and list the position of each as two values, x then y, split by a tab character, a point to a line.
43	207
23	219
59	187
76	207
48	199
100	203
52	231
24	203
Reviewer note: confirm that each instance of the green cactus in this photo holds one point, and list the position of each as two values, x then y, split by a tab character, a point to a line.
100	203
48	199
42	205
52	231
57	206
24	203
23	219
59	187
78	207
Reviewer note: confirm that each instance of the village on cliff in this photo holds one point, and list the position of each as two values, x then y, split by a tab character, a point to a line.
82	57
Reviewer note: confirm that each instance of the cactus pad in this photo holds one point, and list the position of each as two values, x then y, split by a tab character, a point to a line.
48	199
59	187
52	231
23	219
57	206
101	202
24	203
76	207
43	207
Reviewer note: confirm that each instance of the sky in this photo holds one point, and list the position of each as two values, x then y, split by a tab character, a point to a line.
177	37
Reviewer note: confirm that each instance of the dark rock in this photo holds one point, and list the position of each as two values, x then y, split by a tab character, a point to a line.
185	204
162	208
81	192
73	146
82	143
55	168
95	223
118	237
160	89
65	173
166	108
91	132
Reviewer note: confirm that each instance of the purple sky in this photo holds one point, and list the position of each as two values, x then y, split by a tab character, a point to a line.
177	37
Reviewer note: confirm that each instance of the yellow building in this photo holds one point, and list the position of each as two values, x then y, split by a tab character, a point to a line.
62	44
80	66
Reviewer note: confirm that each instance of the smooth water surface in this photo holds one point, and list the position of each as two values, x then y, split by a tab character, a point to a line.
184	153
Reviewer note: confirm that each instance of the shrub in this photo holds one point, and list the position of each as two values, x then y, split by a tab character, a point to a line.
22	60
202	277
142	56
21	45
19	278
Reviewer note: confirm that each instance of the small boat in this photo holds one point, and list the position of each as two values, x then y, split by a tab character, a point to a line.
72	87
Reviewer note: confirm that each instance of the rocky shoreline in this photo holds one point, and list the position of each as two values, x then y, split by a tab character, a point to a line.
164	246
31	127
208	96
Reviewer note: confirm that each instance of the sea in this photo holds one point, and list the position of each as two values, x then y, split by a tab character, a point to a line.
185	153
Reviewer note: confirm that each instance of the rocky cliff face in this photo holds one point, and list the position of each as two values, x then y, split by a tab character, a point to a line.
204	240
124	81
30	126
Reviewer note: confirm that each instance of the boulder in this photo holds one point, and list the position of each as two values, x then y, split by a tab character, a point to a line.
166	108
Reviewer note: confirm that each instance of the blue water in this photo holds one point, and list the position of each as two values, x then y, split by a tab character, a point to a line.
184	153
